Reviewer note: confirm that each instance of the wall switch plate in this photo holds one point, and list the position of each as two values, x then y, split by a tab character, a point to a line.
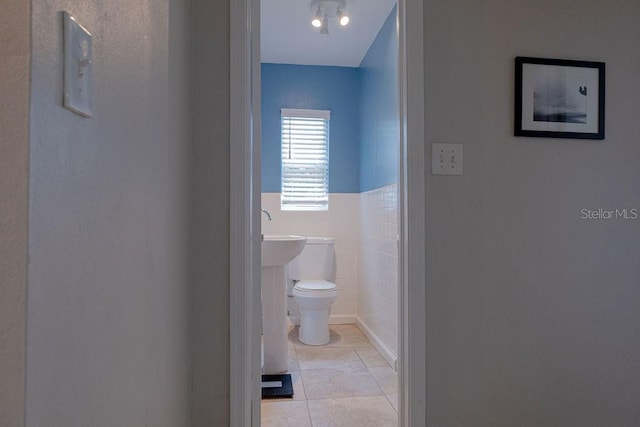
446	159
77	67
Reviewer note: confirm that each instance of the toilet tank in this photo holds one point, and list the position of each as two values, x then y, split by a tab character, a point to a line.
315	262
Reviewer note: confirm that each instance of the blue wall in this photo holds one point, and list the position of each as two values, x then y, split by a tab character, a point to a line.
364	138
379	110
318	88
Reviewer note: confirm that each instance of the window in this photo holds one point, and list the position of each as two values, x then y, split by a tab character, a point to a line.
305	159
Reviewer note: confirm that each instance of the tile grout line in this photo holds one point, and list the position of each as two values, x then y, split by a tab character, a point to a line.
306	401
385	394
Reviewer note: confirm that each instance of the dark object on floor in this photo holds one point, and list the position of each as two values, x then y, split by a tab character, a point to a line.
275	386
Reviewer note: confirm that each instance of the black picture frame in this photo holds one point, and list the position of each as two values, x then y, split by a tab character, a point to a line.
559	98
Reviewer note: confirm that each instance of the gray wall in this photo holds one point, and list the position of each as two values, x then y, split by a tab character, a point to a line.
108	298
533	314
14	177
535	323
209	259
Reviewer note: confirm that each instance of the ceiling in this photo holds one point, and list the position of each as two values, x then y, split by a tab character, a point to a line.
287	36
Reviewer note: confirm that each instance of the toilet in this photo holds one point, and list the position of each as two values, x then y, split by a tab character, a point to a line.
313	290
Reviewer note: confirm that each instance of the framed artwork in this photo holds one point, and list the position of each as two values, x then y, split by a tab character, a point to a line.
557	98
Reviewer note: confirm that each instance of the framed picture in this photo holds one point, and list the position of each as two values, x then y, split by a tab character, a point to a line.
557	98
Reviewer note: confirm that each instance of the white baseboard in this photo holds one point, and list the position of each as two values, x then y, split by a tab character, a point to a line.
385	351
338	319
342	319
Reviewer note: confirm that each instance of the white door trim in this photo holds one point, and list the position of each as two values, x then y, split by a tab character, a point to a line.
412	375
245	218
244	234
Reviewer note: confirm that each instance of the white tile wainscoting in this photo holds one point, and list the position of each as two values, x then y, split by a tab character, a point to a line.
339	222
365	229
377	311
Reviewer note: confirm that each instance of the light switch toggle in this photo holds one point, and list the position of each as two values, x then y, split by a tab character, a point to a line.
83	61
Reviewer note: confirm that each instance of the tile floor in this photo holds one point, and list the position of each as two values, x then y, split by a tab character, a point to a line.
344	383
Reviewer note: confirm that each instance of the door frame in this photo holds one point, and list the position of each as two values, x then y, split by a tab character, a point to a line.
245	233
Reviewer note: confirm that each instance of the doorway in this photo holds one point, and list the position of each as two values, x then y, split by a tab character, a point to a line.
245	225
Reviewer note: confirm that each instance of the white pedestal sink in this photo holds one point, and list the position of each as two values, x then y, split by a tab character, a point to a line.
277	251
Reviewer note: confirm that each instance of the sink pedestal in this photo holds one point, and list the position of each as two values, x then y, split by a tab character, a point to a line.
274	319
277	252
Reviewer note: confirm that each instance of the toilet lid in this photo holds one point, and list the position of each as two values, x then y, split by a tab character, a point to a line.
315	286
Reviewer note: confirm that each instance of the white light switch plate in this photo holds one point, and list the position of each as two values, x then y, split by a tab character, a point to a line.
446	159
77	67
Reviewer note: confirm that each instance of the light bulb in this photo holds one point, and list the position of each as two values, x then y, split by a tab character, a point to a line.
316	21
343	19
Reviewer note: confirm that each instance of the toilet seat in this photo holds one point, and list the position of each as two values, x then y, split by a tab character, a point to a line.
314	298
315	287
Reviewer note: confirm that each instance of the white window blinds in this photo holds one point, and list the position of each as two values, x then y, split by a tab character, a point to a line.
305	159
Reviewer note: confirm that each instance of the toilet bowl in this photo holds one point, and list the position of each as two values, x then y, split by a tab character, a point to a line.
314	298
314	292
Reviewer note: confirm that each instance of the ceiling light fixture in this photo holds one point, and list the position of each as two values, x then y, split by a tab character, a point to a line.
326	9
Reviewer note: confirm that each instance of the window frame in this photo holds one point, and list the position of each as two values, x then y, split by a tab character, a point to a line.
318	180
